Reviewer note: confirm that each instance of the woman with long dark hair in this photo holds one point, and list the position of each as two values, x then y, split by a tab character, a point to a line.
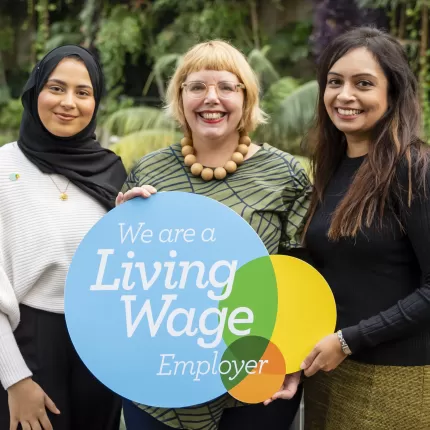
368	234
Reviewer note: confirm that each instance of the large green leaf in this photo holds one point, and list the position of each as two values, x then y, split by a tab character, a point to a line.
135	145
297	111
134	119
262	66
277	92
162	67
291	108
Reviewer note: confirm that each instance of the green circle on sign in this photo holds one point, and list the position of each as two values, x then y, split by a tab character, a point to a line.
254	288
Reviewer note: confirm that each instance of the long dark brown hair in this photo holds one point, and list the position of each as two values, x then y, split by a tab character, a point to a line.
394	138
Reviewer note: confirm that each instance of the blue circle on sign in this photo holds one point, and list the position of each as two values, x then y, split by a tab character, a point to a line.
142	296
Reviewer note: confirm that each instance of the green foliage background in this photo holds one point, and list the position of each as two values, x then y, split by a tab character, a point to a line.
140	42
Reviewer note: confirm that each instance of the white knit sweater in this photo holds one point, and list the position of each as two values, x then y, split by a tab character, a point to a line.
39	234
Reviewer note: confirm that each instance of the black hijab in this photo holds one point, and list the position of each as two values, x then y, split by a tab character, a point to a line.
80	158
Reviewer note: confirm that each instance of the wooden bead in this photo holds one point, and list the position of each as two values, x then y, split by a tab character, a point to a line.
196	169
243	149
220	173
207	174
187	150
237	157
245	140
189	160
230	166
186	141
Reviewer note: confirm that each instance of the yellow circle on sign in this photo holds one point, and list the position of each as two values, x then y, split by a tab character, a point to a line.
306	309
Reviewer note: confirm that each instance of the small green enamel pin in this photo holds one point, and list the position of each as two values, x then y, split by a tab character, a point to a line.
14	176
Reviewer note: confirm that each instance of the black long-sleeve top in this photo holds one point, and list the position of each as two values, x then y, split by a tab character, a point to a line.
380	279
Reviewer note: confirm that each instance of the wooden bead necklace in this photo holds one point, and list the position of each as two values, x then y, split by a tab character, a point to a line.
208	173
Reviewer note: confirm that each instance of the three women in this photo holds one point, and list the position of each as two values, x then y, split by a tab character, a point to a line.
367	231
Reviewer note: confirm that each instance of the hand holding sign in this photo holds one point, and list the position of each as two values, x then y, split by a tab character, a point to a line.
288	389
144	191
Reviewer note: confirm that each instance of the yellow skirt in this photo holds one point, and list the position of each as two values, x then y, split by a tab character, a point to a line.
358	396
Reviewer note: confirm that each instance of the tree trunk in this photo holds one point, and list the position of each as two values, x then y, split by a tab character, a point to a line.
402	23
4	88
424	68
255	24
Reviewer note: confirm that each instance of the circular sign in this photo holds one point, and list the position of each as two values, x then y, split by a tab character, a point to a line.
173	301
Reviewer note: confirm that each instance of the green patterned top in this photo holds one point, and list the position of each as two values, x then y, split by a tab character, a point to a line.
270	191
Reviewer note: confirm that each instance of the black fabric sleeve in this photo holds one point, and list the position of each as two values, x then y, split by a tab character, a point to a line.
412	313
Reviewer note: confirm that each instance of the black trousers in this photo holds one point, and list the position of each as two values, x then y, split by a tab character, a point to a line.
84	403
278	415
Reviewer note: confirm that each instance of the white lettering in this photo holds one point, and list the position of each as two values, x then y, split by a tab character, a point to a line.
164	364
217	331
229	281
99	286
211	235
188	329
146	309
130	232
232	320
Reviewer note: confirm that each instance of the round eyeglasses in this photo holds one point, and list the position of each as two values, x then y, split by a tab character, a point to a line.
224	89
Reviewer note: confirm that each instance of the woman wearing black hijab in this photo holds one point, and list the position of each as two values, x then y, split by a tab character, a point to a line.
56	182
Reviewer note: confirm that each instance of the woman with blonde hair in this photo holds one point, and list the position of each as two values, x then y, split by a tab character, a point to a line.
214	96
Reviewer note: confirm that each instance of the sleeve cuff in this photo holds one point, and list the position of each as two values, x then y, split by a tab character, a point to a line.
12	365
352	338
